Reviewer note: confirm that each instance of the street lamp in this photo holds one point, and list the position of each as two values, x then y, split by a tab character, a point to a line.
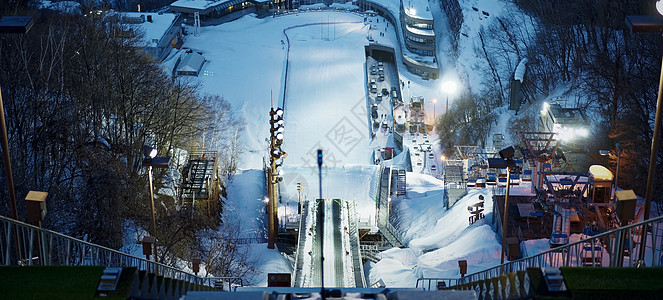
505	162
448	87
650	24
151	161
619	157
20	25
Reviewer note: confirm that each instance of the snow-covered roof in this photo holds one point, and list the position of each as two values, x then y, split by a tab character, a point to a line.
418	9
600	172
520	70
204	4
191	62
419	31
153	31
197	4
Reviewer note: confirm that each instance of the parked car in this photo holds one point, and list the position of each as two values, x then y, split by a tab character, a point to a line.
374	88
431	156
378	98
433	168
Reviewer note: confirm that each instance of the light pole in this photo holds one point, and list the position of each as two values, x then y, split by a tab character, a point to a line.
448	87
151	161
619	158
11	25
275	153
505	162
650	24
434	115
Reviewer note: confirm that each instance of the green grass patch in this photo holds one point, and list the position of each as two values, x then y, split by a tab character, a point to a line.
624	279
49	282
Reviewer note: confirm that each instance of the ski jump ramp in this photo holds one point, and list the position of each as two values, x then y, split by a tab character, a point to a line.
328	249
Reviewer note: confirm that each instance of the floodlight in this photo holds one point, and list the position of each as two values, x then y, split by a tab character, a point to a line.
449	86
507	153
149	152
659	6
582	132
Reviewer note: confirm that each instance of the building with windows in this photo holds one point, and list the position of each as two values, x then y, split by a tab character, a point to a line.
161	31
214	8
419	38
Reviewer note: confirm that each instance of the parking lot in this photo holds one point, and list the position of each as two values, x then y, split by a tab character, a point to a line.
383	94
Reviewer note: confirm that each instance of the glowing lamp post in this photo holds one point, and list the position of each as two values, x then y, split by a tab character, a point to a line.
448	87
151	161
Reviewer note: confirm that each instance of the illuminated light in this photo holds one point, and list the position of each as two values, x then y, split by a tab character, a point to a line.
280	129
280	122
566	134
279	111
659	6
582	132
449	86
546	106
279	136
443	158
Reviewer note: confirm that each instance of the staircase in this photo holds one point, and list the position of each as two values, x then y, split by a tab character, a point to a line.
400	184
386	229
200	182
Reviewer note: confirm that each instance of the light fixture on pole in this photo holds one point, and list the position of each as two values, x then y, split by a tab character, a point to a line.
150	161
276	130
11	25
650	24
619	158
434	115
505	162
448	87
14	25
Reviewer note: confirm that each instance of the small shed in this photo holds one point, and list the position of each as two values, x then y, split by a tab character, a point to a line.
601	179
190	64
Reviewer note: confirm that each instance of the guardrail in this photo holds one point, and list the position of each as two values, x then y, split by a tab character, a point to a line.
28	245
447	282
616	248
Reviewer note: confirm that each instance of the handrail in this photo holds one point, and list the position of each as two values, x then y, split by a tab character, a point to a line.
447	282
38	246
584	253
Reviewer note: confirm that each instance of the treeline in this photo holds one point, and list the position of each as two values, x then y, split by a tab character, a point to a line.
82	99
585	49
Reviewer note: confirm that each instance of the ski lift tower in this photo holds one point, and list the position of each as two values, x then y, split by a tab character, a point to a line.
541	148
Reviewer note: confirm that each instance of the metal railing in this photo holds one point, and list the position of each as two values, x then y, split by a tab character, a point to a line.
447	282
615	248
28	245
